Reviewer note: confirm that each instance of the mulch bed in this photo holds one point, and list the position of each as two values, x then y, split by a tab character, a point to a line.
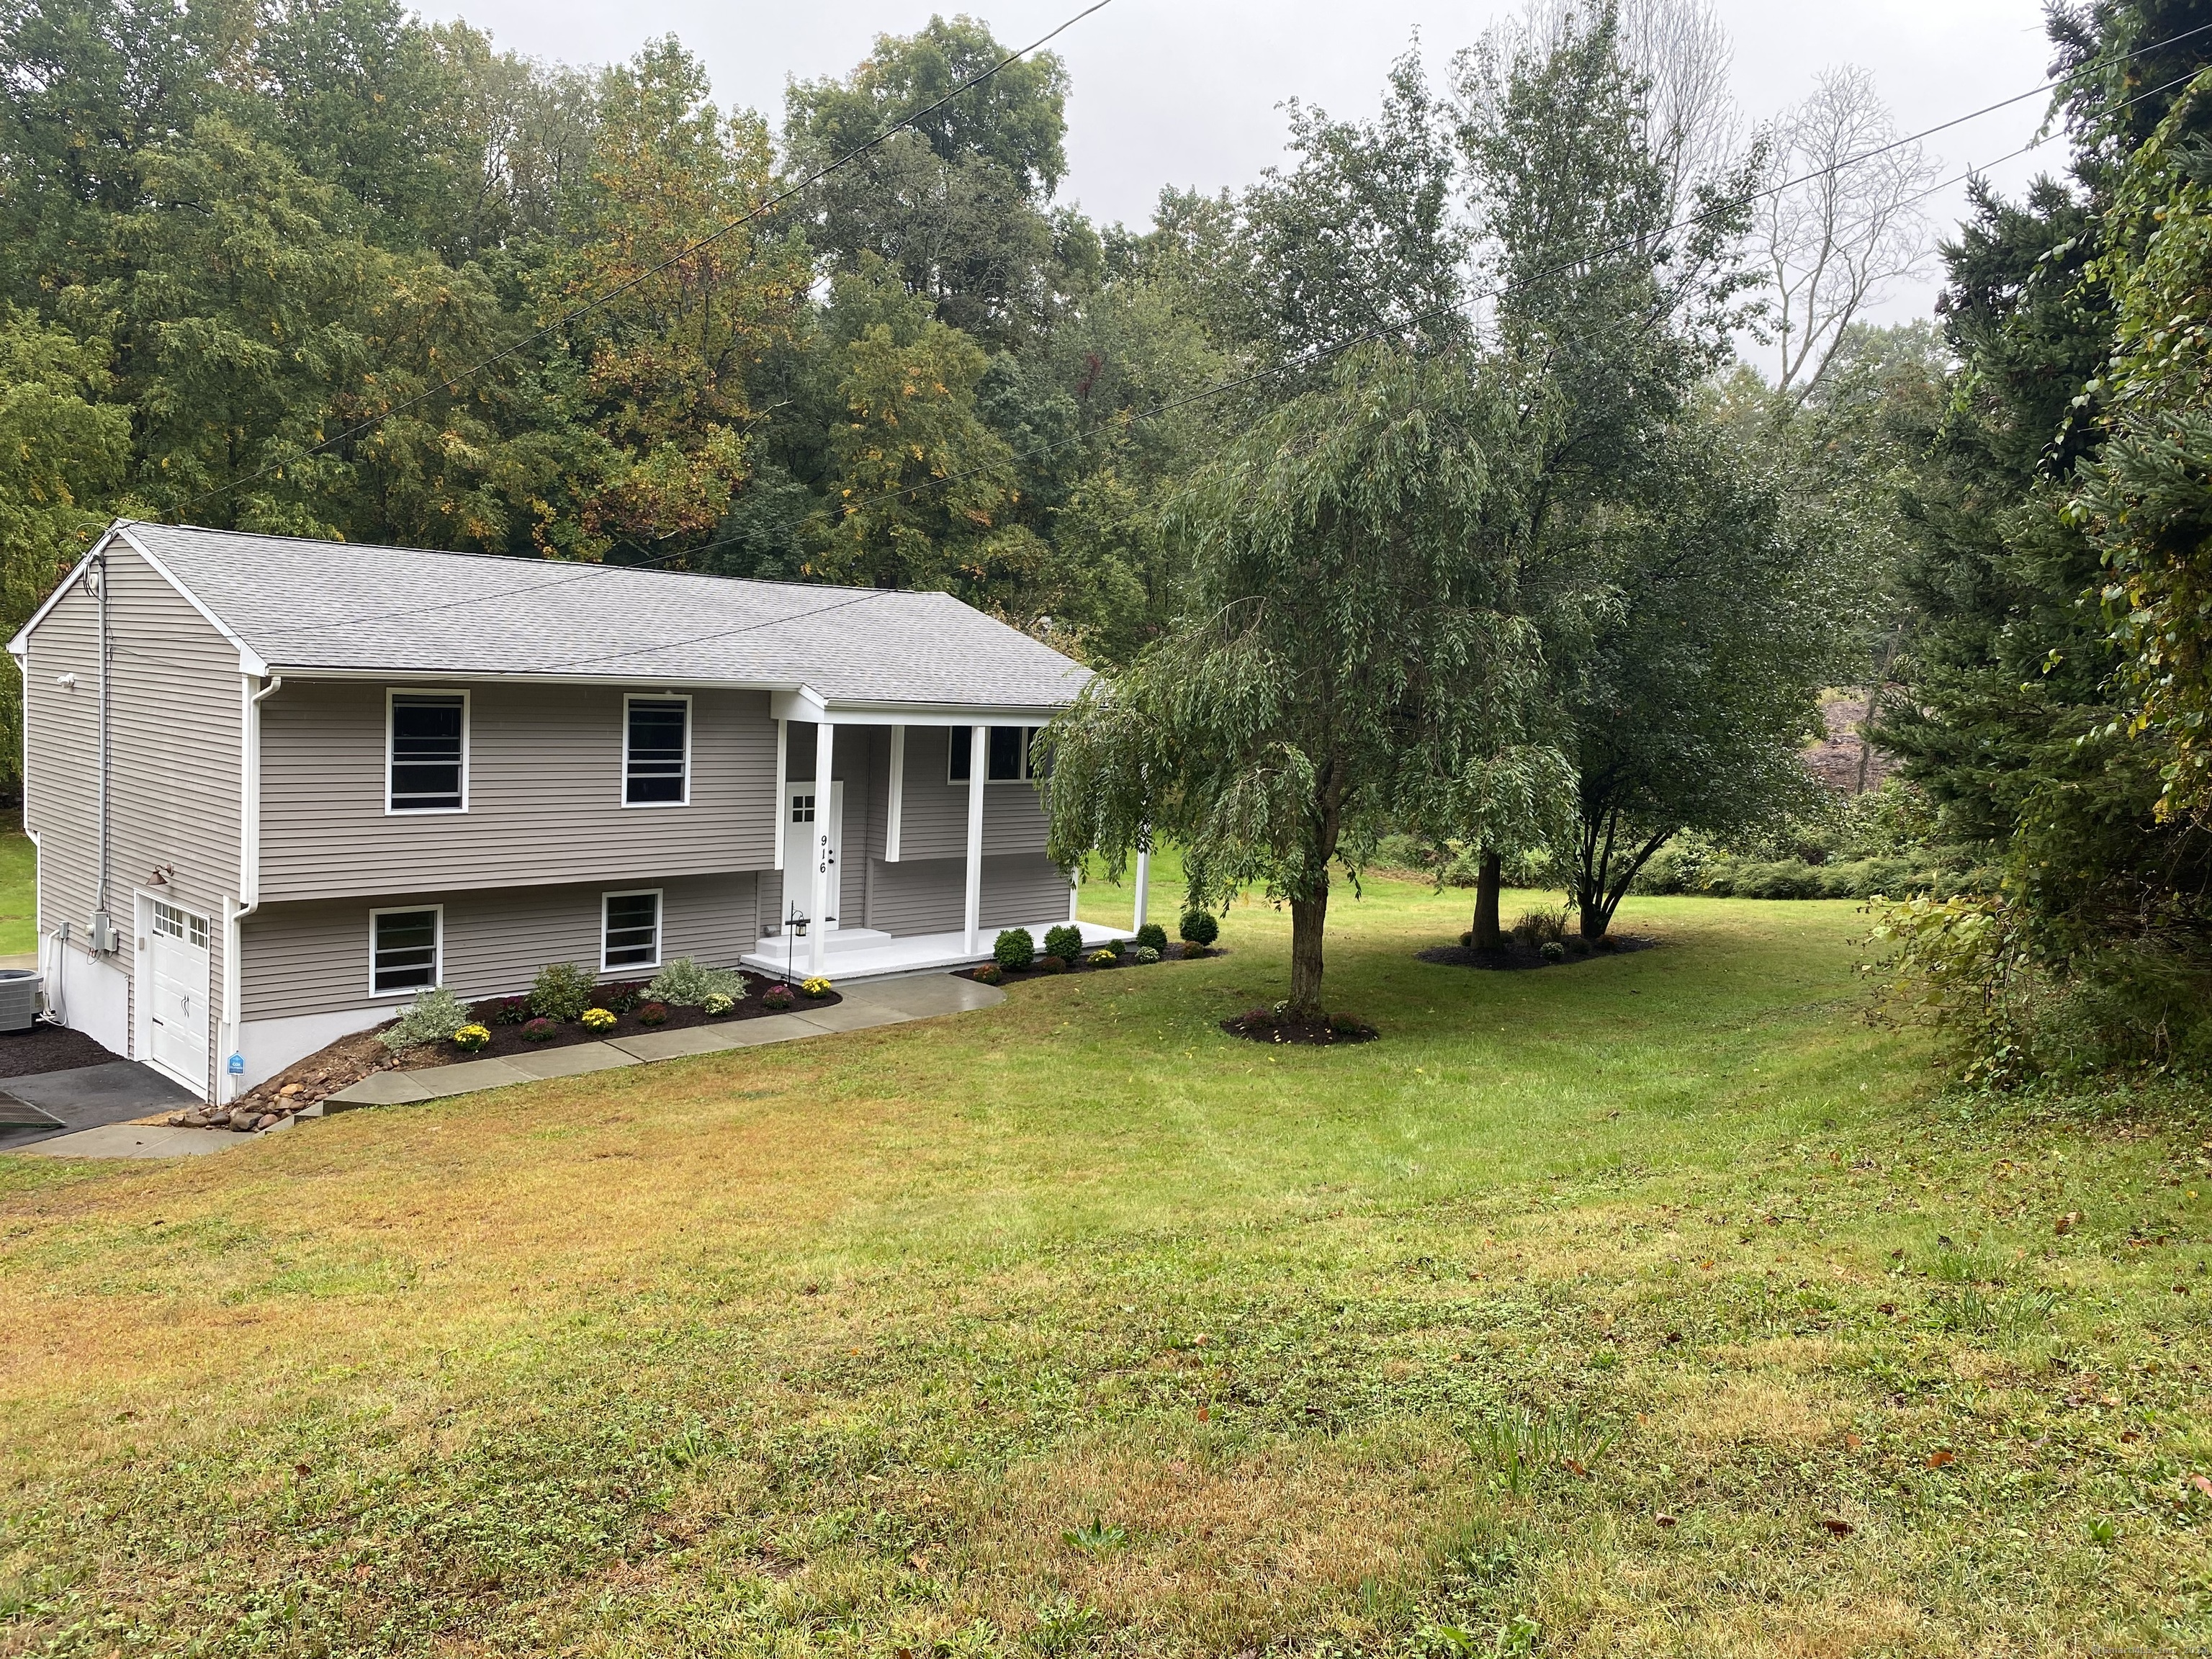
46	1047
1173	953
1264	1025
506	1037
1516	956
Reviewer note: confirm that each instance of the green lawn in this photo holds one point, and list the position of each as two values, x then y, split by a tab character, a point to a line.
19	896
1654	1304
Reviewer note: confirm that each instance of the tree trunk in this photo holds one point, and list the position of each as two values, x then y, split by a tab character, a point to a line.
1307	918
1488	935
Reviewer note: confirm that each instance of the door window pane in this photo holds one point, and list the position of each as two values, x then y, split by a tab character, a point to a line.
655	756
633	930
404	951
426	758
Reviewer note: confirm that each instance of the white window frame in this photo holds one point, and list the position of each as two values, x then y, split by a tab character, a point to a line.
689	716
1028	774
660	925
393	692
437	950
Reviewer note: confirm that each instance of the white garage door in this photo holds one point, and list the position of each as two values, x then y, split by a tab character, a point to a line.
177	946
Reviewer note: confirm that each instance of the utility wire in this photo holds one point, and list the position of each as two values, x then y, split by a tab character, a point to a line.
676	259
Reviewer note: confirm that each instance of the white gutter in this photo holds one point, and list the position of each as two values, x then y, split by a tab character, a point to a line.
235	910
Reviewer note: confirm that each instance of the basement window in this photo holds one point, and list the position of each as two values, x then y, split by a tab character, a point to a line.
629	933
427	751
405	949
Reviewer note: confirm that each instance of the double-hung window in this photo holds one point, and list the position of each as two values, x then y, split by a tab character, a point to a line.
656	751
629	929
1007	755
405	949
427	752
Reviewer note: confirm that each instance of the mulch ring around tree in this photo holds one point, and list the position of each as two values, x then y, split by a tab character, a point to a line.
1517	955
1015	976
507	1018
1266	1026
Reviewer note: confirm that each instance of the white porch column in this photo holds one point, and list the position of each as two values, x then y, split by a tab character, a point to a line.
783	801
825	873
1144	884
979	766
897	810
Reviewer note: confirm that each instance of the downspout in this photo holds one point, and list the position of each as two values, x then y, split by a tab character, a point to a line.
249	880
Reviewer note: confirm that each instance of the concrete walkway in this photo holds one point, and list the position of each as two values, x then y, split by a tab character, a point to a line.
878	1002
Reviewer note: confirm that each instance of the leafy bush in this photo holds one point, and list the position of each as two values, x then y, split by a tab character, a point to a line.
470	1038
1049	964
560	991
685	983
715	1004
619	999
989	974
1147	954
1104	958
652	1013
777	997
1120	947
1554	950
817	987
597	1019
1015	949
1152	936
434	1015
509	1010
540	1030
1065	941
1199	927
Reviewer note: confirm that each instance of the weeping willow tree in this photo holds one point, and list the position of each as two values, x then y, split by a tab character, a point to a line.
1349	658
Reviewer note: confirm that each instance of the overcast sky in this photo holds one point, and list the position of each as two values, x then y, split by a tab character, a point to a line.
1184	92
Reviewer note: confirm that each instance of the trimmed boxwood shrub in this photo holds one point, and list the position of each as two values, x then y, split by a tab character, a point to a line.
1152	935
1065	941
1015	951
1199	927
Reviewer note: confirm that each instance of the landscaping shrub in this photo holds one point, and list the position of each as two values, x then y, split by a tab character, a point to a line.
1104	958
1065	941
619	999
1147	954
560	991
652	1013
510	1011
1554	950
598	1019
715	1004
1539	928
470	1038
435	1015
1015	949
685	983
540	1030
990	974
777	997
1199	927
817	987
1120	947
1049	964
1151	935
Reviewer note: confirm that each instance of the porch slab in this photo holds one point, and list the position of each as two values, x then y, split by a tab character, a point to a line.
575	1060
863	954
673	1045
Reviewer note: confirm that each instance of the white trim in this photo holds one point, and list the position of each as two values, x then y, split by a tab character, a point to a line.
972	908
142	1001
806	704
683	697
437	950
659	928
894	809
460	691
1143	888
782	787
829	834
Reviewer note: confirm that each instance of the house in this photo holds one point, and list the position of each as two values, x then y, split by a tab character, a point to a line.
279	786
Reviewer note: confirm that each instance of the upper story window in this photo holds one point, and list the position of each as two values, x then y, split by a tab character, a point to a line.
426	762
1008	757
656	751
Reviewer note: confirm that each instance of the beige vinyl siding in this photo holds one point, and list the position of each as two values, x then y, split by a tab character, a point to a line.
174	719
933	824
311	958
930	895
545	793
1022	889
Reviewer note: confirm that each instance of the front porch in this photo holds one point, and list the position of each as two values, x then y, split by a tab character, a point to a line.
851	954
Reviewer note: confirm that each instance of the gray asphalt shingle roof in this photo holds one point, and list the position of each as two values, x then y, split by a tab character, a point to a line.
308	605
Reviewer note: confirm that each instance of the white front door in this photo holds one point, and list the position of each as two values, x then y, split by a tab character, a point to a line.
812	837
176	989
